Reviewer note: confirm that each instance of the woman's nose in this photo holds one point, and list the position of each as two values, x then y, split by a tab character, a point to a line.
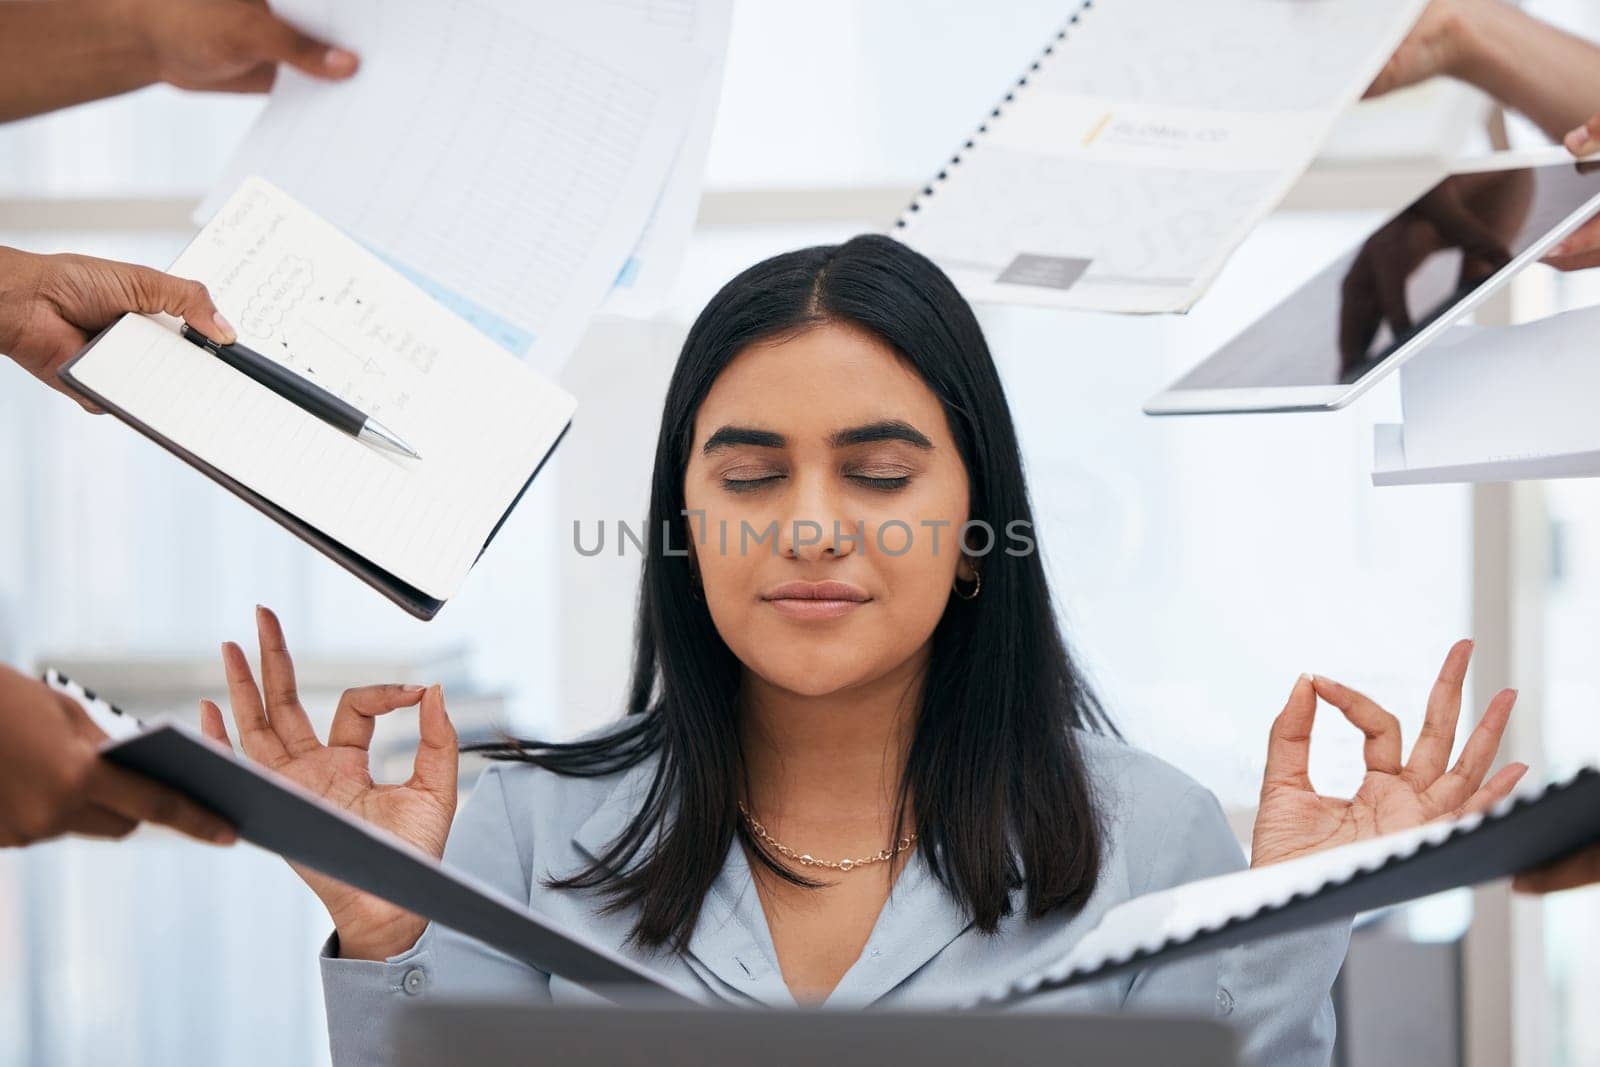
815	525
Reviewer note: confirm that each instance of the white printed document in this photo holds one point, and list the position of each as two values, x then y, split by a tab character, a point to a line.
646	279
1500	403
303	294
1144	144
508	163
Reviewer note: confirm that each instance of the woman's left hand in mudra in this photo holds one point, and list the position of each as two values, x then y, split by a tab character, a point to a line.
1294	820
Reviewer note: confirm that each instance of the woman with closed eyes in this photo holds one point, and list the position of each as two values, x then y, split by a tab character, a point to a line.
859	765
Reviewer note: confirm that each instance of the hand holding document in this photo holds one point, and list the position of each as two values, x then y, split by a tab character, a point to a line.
1149	138
507	157
1498	404
303	294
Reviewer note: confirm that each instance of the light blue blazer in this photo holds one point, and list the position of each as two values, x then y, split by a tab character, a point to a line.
524	824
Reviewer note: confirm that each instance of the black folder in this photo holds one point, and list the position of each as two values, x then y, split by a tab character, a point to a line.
268	810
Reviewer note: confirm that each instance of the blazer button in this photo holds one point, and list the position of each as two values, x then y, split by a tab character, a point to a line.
1224	1001
414	981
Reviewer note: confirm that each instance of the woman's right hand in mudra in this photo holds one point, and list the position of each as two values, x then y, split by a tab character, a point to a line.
275	731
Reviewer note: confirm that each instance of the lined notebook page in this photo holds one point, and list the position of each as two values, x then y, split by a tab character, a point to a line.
299	291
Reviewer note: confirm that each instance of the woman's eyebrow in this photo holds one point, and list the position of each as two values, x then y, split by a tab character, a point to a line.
733	436
885	430
866	434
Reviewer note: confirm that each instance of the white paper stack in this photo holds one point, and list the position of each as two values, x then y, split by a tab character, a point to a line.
519	161
1493	404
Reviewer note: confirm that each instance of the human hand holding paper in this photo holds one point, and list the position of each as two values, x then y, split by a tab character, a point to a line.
1293	820
276	732
229	45
1433	47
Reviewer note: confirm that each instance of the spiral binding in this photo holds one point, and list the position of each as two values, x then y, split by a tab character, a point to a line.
994	113
104	714
1048	982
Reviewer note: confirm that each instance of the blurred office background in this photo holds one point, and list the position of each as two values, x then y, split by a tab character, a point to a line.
1200	564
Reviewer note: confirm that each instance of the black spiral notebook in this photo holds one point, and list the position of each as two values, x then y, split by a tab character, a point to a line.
302	293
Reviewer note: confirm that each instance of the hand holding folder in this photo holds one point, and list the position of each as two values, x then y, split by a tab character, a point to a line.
52	783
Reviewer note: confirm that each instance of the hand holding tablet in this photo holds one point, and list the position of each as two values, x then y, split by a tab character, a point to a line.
1378	305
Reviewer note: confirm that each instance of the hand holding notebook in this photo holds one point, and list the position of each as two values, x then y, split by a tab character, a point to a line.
312	300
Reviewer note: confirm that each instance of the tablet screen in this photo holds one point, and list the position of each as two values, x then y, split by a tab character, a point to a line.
1364	306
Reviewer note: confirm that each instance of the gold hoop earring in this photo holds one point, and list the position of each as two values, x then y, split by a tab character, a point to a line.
977	587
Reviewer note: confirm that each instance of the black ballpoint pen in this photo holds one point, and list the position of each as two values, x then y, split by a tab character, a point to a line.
304	394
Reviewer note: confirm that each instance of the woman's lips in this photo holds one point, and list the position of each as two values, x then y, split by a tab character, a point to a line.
816	600
798	608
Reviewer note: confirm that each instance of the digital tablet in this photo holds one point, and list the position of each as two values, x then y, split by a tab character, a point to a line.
1380	303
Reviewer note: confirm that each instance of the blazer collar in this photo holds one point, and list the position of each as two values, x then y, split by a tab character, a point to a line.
620	804
917	922
731	947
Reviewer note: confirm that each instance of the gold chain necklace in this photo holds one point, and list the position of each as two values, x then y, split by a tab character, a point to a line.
808	860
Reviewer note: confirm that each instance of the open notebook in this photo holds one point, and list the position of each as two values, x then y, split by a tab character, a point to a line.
301	292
